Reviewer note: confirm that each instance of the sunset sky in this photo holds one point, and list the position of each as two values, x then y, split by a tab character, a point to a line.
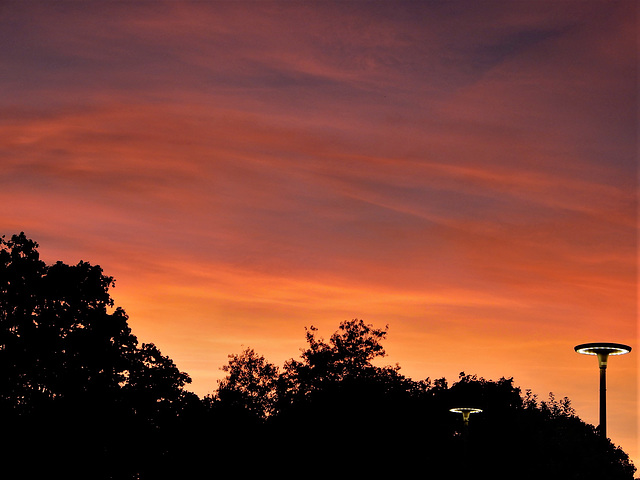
462	171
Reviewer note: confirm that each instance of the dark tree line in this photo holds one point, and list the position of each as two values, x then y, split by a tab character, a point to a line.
80	397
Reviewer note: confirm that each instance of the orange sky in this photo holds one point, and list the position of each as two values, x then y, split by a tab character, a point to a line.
465	172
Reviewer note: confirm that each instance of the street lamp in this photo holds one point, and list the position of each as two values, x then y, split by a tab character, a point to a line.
465	411
602	351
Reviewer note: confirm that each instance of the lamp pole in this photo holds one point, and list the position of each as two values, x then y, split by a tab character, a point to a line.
602	352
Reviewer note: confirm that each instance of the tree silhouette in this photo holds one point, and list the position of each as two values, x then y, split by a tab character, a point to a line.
250	385
345	361
74	381
57	339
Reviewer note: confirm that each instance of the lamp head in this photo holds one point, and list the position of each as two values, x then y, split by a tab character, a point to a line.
602	350
465	411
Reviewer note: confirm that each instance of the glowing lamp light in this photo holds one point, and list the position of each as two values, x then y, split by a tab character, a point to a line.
603	351
466	412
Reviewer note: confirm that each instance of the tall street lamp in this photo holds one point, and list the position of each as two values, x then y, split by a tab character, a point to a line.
602	351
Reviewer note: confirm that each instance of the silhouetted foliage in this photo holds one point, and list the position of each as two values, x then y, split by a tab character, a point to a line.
343	363
80	398
372	421
75	384
250	385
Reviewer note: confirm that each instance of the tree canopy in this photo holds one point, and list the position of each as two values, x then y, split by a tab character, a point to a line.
80	396
70	365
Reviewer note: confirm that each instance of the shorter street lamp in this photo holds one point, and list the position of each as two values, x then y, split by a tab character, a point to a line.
465	411
602	351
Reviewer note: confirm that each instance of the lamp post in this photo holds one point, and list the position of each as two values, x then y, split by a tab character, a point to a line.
466	412
602	351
